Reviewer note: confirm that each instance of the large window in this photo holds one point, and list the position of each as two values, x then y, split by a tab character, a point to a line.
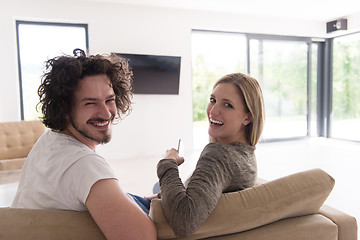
280	64
213	55
346	88
38	42
281	67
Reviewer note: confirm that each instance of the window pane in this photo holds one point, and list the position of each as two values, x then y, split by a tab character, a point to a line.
281	68
213	55
37	43
346	87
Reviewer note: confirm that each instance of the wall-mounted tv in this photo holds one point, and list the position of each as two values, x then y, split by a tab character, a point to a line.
154	74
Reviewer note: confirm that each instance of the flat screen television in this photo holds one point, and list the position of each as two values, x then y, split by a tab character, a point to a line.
154	74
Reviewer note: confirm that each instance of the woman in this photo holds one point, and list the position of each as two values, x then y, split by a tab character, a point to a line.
236	117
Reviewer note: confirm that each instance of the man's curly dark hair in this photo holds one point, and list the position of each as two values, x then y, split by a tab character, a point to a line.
61	79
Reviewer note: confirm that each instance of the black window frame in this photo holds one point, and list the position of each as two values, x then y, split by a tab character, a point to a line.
60	24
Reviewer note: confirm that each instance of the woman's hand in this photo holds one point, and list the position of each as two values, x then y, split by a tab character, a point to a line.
151	197
173	154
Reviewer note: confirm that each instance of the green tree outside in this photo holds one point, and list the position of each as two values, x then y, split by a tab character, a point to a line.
346	80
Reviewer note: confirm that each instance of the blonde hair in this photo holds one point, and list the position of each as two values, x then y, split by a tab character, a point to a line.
250	91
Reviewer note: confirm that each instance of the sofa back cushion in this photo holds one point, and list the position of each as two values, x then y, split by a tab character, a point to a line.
291	196
29	224
17	138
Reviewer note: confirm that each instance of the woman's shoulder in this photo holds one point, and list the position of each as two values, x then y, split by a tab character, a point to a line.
231	147
214	147
217	150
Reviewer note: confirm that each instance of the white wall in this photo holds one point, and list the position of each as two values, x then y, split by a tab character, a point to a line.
157	121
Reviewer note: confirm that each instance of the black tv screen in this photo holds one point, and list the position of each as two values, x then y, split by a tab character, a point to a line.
154	74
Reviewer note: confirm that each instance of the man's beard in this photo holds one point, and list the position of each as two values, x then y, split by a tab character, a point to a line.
86	132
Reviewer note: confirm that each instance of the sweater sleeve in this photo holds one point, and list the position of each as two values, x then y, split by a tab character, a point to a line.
187	208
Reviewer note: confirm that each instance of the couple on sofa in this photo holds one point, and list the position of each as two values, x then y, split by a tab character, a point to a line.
81	96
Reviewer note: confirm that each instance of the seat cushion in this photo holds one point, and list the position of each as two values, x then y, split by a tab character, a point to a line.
309	227
12	164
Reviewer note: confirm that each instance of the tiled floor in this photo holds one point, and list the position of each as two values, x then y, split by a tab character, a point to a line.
8	185
339	158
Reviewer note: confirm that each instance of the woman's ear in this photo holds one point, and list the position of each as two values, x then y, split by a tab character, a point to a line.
247	119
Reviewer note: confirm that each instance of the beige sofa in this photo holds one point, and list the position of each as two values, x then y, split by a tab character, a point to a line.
287	208
16	140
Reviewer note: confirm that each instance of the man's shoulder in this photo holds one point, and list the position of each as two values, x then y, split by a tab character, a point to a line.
53	147
63	142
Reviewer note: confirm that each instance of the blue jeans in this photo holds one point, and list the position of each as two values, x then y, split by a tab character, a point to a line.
142	202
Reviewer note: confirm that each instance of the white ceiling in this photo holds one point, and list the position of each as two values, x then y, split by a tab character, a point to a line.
320	10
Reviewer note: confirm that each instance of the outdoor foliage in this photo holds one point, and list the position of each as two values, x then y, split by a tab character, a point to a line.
346	80
204	77
285	80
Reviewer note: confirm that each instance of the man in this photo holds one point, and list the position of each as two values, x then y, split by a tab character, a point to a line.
80	98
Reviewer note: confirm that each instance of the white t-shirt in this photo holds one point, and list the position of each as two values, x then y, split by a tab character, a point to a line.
59	173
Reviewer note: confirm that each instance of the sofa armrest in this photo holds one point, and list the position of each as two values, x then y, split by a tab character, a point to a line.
347	226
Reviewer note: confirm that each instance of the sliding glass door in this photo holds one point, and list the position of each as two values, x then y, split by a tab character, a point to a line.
346	88
311	87
213	55
281	67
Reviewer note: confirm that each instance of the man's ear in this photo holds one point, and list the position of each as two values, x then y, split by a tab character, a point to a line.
248	119
67	118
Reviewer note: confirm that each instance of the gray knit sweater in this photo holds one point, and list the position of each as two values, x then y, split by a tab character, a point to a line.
220	168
